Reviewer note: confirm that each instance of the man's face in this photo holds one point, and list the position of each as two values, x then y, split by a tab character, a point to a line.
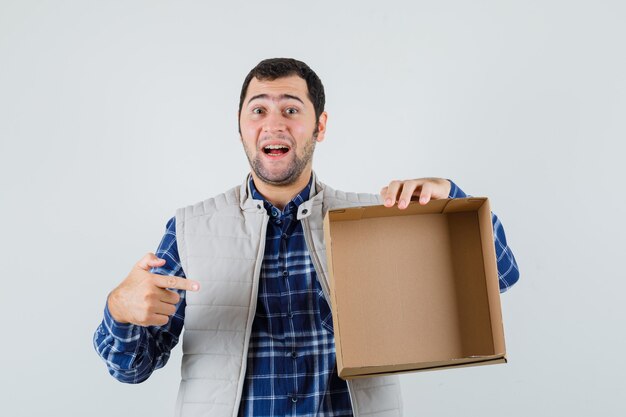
278	129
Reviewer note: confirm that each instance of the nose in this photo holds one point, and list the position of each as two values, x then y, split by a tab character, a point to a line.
274	122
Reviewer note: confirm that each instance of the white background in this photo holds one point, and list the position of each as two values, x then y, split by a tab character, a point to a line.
113	114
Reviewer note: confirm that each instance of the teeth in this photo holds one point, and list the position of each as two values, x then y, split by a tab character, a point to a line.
276	147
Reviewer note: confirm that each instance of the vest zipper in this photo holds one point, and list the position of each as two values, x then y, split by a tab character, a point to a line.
316	262
324	284
251	314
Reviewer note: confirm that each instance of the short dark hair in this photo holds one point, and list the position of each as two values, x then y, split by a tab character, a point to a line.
273	68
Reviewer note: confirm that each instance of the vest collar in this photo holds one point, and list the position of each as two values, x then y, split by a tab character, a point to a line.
246	202
249	204
315	199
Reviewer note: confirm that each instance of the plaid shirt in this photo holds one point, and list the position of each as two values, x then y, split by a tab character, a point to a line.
291	361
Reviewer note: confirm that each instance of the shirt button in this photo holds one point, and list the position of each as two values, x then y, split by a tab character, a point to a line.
275	212
294	355
290	314
285	273
285	236
305	211
294	399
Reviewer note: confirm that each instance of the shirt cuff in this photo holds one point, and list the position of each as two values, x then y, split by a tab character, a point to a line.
123	332
455	191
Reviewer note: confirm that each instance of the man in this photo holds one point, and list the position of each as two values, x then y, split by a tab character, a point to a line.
243	271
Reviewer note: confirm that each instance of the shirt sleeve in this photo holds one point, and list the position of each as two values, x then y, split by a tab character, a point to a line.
508	272
133	352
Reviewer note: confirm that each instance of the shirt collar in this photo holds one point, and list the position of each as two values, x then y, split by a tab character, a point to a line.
291	207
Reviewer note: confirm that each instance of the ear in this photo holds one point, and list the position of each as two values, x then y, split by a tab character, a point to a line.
321	127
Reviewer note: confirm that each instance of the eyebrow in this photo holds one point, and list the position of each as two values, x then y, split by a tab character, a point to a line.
280	97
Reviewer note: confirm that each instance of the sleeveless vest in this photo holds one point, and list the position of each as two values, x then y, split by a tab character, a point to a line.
221	243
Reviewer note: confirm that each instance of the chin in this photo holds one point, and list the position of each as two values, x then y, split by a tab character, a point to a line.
277	179
285	176
286	171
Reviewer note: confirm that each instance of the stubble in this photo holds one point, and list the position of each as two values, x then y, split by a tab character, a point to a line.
291	173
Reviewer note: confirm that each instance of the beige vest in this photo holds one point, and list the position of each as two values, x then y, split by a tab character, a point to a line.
221	242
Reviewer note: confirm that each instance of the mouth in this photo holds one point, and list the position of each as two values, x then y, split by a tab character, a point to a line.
276	150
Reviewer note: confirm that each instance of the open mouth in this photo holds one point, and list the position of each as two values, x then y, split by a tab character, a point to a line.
275	150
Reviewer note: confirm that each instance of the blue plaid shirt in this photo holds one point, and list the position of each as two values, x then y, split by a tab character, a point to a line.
291	361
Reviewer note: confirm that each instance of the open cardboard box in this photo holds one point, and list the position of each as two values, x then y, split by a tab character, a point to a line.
414	289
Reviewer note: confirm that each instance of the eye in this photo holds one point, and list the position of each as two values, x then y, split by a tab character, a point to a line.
291	110
257	110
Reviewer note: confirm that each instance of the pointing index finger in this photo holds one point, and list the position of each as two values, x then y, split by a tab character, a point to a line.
176	282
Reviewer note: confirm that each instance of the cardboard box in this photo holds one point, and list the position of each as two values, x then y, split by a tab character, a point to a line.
414	289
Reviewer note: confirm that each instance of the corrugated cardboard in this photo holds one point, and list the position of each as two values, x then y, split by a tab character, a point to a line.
414	289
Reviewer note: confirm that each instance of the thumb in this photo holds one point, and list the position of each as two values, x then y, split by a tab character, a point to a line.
150	260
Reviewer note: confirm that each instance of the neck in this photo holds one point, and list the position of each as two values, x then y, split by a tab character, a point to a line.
281	195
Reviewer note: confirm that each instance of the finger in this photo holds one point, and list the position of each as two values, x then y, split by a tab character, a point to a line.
392	193
407	191
426	193
156	320
383	193
170	297
176	282
165	309
150	260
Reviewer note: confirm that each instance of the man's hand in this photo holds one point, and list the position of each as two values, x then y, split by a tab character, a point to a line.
143	298
424	188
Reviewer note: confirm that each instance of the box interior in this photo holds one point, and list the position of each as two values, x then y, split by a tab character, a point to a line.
424	275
